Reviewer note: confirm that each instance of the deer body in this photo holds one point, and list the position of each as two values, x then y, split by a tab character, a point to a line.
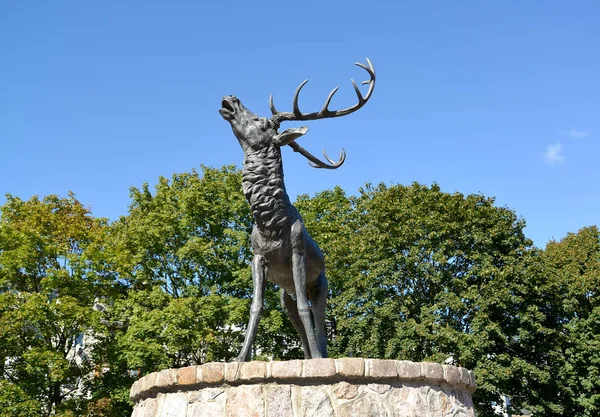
274	215
284	252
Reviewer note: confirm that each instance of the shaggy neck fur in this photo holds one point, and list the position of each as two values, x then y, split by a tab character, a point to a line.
264	189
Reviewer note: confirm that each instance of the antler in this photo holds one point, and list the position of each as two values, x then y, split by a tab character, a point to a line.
316	162
324	113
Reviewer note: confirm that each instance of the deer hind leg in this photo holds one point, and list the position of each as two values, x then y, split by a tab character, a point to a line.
289	305
318	303
299	276
259	283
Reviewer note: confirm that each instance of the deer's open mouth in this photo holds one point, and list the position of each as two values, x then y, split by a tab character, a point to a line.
227	106
227	110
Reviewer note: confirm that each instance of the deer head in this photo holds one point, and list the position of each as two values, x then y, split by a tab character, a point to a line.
254	132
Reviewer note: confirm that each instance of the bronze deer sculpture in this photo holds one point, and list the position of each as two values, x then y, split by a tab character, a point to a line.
284	252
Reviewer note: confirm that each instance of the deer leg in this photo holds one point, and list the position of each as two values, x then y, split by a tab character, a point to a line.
299	267
299	276
259	283
318	303
289	305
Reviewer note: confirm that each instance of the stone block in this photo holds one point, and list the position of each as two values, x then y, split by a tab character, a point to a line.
173	405
315	402
186	376
472	384
232	371
465	378
408	370
432	371
253	371
364	407
166	378
279	400
351	367
213	373
210	409
319	368
208	402
451	374
403	402
245	401
286	370
438	403
380	368
147	382
147	408
345	391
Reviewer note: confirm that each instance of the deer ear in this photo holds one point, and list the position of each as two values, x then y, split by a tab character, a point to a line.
289	135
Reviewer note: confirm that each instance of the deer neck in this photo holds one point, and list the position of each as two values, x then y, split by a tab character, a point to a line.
263	186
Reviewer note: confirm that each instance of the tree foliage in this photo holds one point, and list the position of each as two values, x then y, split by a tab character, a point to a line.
183	254
573	269
50	274
191	235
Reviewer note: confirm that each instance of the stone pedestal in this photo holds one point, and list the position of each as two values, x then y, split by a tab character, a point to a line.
307	388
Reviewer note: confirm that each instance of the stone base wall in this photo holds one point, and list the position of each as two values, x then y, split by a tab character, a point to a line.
307	388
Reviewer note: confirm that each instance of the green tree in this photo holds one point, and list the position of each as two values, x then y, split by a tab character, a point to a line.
51	271
573	268
419	274
15	402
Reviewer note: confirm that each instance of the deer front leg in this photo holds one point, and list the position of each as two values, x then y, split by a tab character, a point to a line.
299	276
259	283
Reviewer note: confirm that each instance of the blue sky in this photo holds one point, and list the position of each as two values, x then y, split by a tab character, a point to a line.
495	97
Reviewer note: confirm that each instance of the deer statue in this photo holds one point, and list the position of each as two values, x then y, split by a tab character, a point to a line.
284	252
